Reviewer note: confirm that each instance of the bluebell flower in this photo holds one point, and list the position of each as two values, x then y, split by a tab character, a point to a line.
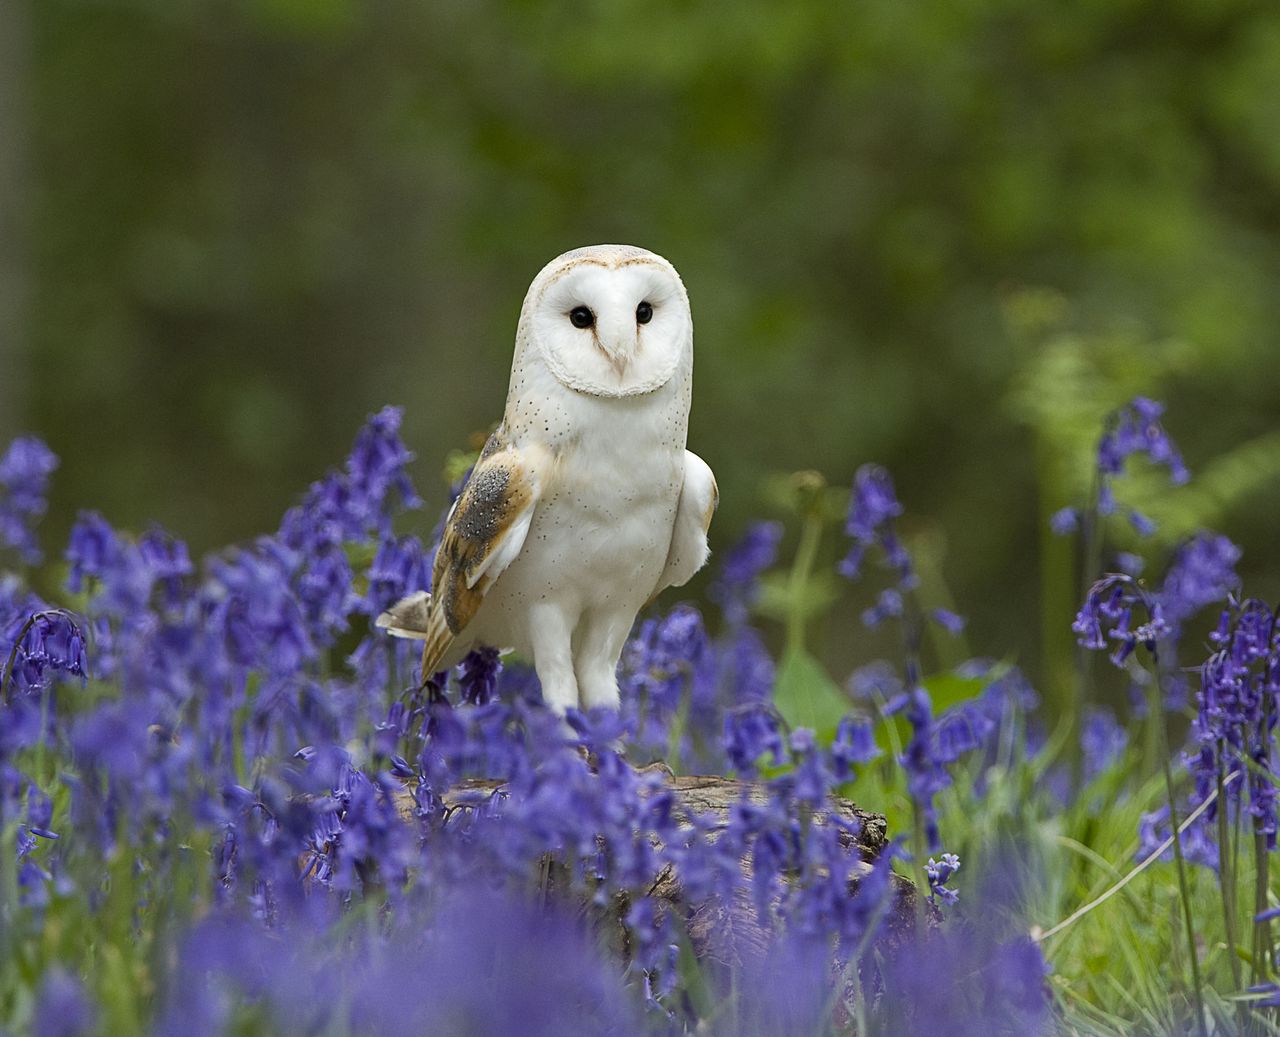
873	504
62	1009
875	683
926	773
52	642
25	468
670	665
1201	573
1265	995
1136	429
1107	615
377	465
959	731
811	777
738	584
1142	525
1133	429
1102	740
478	676
939	873
1130	564
167	559
888	606
949	621
854	745
1065	520
351	505
872	508
747	667
750	732
967	979
399	568
93	551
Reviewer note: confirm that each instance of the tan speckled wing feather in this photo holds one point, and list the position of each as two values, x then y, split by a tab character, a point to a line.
482	536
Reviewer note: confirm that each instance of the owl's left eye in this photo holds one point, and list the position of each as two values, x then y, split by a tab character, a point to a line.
581	317
644	313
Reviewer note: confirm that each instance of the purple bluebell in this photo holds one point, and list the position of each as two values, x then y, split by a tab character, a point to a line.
811	776
747	667
853	745
1065	520
959	731
875	683
378	462
167	559
42	645
939	873
670	666
1102	740
1201	573
1108	615
750	732
737	585
1130	564
873	506
93	551
478	676
926	773
888	606
967	979
25	468
951	622
1141	524
62	1009
399	568
1136	429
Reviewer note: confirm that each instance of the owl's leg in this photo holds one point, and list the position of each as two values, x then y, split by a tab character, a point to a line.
597	648
550	634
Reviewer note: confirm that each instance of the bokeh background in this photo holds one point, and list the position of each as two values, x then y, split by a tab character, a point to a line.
946	237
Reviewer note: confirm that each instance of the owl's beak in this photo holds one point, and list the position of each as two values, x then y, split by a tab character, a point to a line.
617	341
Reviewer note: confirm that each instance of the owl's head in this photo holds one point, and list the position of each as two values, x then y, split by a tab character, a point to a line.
609	320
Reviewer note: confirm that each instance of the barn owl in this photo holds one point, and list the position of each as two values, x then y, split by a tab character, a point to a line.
584	503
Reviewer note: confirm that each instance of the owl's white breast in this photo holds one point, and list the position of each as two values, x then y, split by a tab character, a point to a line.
602	527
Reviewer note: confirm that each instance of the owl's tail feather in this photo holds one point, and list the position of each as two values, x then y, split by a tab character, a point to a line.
438	640
414	617
408	617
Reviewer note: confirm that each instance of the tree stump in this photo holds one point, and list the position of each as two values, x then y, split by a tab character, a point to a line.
718	932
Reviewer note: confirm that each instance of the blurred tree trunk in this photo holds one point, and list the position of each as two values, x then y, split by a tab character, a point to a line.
15	39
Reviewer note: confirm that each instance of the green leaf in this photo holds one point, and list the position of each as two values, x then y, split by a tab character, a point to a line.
806	696
950	689
779	598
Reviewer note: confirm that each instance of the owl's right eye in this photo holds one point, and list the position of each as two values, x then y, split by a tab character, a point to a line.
581	317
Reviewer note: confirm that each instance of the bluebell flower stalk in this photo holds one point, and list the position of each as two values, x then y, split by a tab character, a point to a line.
1119	608
25	469
1132	430
873	507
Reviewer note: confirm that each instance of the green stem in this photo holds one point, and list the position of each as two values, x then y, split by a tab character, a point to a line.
1156	718
6	675
801	569
1227	877
1261	930
1262	950
1090	563
922	883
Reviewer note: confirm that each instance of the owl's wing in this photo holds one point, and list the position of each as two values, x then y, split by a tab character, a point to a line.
698	499
483	534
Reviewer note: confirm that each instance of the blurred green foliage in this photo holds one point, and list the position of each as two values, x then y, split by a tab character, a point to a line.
946	237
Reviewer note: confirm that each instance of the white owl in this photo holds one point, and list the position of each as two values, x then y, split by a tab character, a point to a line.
584	503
